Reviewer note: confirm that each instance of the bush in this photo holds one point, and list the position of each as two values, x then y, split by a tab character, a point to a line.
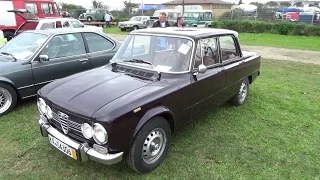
283	28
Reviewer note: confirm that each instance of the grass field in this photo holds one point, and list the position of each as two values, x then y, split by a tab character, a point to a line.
275	135
271	40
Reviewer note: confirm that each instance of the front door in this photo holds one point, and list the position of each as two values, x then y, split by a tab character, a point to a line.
207	88
100	49
67	56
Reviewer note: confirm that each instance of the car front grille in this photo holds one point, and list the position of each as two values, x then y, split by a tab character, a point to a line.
68	124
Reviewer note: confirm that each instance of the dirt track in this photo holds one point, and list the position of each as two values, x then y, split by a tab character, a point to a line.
272	53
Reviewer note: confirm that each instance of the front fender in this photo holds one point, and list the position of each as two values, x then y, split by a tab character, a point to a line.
149	114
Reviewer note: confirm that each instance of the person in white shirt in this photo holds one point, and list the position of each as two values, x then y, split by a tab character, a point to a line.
107	18
162	22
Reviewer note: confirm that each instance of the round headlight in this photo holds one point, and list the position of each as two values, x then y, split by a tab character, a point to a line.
87	130
49	112
42	106
99	134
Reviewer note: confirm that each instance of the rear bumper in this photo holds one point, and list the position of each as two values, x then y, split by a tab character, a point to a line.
84	151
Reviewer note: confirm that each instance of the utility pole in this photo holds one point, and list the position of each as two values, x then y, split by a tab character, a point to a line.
129	9
182	7
141	7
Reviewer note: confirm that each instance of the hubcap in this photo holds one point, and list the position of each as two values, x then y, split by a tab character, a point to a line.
243	91
5	100
154	146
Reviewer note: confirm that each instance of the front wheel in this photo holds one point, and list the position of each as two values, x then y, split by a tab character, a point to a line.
8	98
150	146
242	95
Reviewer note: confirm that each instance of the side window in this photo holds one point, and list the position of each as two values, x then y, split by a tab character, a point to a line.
64	45
208	16
66	24
207	50
76	24
97	43
47	8
228	48
32	7
48	25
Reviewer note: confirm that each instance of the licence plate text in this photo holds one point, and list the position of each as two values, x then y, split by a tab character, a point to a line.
63	147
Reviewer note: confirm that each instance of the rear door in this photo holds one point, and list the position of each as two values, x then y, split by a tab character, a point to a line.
67	56
232	62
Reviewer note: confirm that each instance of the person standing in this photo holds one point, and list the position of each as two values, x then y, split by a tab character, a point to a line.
162	22
107	18
180	22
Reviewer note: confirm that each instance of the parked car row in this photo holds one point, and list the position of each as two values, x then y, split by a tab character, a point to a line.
106	101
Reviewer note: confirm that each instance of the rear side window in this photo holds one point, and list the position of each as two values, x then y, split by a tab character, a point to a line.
29	26
49	25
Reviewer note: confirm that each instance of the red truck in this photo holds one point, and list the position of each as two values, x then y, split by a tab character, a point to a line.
10	21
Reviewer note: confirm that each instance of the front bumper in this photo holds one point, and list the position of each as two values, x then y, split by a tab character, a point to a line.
84	151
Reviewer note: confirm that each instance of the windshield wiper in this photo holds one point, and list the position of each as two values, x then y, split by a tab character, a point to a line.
144	62
8	54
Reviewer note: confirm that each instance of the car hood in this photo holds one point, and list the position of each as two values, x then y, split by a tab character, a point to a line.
87	92
7	64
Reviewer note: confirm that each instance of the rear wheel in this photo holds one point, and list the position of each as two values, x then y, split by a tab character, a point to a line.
150	146
135	27
242	95
8	98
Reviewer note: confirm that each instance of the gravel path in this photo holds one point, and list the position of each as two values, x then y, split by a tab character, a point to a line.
271	52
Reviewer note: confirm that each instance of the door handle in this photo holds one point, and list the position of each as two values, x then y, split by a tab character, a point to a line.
83	60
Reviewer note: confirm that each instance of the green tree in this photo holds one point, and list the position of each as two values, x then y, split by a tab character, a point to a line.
97	4
272	4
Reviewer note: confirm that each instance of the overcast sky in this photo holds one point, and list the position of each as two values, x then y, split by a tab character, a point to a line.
118	4
114	4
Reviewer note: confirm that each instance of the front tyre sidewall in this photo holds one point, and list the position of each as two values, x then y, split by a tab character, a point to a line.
135	157
9	92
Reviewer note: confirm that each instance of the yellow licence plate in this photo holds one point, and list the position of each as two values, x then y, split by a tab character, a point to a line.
63	147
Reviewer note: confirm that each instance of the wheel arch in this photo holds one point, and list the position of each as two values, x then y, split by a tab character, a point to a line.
10	83
161	111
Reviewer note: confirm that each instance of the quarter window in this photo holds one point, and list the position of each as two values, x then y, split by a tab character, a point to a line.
97	43
64	45
228	48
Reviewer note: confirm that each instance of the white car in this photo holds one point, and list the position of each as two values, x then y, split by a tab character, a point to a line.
32	22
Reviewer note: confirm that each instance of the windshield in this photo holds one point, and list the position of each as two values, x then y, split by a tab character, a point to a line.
24	45
167	54
136	18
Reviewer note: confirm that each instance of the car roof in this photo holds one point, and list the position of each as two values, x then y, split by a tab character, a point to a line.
54	31
51	19
191	32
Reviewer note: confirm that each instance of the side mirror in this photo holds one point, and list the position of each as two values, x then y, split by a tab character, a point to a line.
44	57
202	69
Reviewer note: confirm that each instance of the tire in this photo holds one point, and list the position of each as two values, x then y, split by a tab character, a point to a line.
242	94
8	98
8	34
123	29
135	27
146	139
89	19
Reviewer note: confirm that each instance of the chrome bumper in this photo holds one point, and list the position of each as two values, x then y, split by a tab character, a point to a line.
85	151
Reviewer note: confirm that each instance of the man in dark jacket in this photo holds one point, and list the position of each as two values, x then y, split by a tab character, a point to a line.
162	22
